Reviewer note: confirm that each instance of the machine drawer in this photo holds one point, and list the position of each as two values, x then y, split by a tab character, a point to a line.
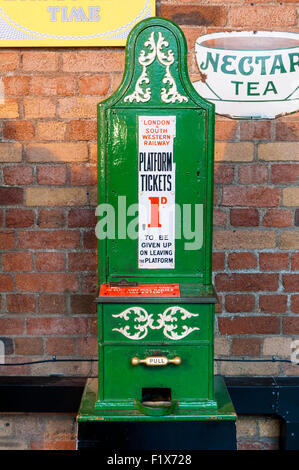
160	323
186	376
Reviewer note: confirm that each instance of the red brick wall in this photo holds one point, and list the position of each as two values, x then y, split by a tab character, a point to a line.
48	195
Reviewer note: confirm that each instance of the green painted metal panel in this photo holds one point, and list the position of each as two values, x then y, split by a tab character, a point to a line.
177	377
157	323
150	87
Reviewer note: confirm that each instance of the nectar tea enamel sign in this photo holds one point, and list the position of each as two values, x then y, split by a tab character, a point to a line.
71	22
249	74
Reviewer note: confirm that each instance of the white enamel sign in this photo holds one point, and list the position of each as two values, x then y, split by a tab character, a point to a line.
156	191
249	74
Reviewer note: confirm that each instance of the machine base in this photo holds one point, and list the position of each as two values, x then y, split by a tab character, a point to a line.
188	429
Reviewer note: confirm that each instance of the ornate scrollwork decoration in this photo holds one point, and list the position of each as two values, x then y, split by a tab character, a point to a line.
144	60
166	59
166	320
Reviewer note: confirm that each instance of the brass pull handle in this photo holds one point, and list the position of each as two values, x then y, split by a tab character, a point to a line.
153	361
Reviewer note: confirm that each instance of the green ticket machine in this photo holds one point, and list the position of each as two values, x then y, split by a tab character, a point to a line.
156	300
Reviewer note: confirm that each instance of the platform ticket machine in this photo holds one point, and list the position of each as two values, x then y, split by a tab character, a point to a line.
156	300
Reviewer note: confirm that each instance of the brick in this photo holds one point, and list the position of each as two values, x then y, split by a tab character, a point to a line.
10	152
223	173
7	240
277	346
249	369
243	239
60	346
269	427
202	15
273	303
218	261
246	426
82	261
290	326
255	130
11	326
51	303
50	261
16	218
93	61
42	85
249	325
253	174
56	326
89	283
259	196
40	61
285	173
51	130
289	241
19	261
82	130
66	85
29	346
9	108
62	85
10	196
244	217
222	346
261	16
234	151
51	218
17	85
241	261
54	152
94	84
274	261
246	346
59	239
82	218
83	175
18	175
93	153
275	151
277	218
77	107
20	303
90	240
295	261
295	303
219	217
261	444
9	61
116	81
54	445
287	131
39	282
87	346
93	326
191	34
52	175
239	303
83	304
247	282
225	129
39	107
56	196
290	196
290	282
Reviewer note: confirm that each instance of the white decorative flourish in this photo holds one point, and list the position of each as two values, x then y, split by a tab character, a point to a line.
141	316
172	95
145	60
167	320
168	96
